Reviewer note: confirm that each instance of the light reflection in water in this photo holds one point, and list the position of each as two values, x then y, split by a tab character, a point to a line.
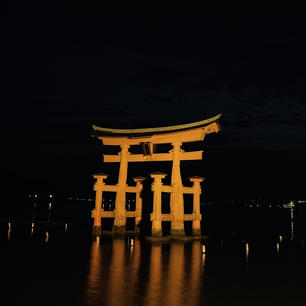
47	237
148	275
32	228
165	276
154	292
197	266
134	263
291	230
131	249
174	273
280	238
203	259
174	279
177	283
118	273
115	283
246	251
94	275
291	213
123	277
9	231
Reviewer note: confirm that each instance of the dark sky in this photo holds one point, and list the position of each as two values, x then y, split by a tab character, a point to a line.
65	68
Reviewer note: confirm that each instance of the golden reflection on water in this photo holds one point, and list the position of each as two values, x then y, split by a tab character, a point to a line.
154	290
277	248
246	251
47	237
32	228
94	275
113	281
177	281
145	275
117	276
174	277
123	276
291	230
9	231
197	269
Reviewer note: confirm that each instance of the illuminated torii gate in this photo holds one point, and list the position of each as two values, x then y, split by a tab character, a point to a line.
148	138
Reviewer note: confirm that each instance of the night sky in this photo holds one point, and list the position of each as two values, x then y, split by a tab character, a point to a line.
65	68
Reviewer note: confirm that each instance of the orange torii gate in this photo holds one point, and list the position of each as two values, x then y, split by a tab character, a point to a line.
148	138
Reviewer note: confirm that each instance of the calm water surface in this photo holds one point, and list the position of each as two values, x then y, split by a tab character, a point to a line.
51	266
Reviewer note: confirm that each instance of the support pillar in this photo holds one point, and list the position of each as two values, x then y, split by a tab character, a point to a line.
196	224
139	188
97	211
120	213
176	197
156	214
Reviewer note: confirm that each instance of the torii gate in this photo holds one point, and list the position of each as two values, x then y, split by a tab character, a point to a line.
147	138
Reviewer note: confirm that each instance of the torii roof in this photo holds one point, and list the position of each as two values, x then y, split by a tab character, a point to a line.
101	131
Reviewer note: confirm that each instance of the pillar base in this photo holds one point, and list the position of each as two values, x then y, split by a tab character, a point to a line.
156	228
119	223
196	227
196	232
177	232
177	228
157	233
118	229
96	231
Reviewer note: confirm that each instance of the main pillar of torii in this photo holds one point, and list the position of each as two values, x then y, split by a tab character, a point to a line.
149	138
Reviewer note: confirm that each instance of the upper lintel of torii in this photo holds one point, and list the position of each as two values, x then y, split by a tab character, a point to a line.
190	132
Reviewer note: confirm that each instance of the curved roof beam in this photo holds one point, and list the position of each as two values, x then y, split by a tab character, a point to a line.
156	129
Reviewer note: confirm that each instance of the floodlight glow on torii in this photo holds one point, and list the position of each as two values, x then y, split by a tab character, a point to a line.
147	138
